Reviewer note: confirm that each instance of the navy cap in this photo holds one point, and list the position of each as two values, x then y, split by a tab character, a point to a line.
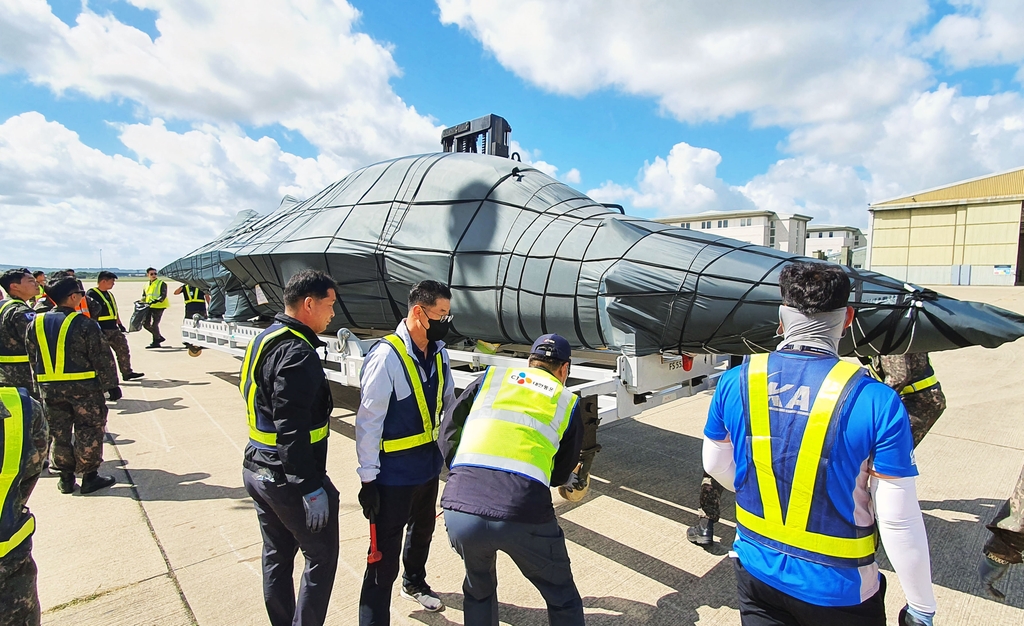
553	347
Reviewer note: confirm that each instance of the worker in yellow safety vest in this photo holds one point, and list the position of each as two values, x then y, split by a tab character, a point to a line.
513	434
195	300
817	450
155	295
73	367
21	461
284	470
15	318
405	385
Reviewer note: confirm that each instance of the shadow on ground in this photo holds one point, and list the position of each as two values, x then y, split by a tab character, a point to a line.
159	485
130	406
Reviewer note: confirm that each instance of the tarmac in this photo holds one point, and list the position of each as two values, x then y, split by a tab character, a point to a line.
176	542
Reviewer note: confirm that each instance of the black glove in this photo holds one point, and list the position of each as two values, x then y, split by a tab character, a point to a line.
121	327
369	498
114	394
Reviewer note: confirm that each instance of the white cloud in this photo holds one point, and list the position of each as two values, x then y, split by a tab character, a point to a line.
940	136
573	177
980	32
787	63
683	183
828	192
299	63
532	158
61	199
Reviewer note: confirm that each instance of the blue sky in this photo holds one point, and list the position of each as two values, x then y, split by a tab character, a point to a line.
121	119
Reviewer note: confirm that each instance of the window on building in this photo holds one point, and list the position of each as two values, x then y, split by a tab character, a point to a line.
808	235
820	235
685	225
856	240
723	223
705	225
771	234
830	234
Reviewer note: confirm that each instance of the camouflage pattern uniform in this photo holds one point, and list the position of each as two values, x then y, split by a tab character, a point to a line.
1007	540
925	406
18	595
78	407
111	332
13	322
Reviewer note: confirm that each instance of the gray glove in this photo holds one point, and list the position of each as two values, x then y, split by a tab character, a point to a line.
318	509
989	572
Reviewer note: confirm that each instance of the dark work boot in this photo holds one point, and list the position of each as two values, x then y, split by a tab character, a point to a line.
94	482
133	375
66	483
703	534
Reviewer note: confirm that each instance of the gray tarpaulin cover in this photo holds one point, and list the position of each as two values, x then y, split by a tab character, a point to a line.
527	255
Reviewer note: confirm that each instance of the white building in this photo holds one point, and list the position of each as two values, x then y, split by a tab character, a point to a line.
762	228
830	239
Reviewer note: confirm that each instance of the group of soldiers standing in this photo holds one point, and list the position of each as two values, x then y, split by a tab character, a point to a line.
57	372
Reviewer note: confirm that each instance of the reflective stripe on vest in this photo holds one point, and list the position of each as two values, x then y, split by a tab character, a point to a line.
431	426
793	531
12	358
247	385
516	423
152	295
921	385
192	295
13	449
111	311
53	369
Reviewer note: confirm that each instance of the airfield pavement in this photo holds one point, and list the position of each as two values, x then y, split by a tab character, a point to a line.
176	542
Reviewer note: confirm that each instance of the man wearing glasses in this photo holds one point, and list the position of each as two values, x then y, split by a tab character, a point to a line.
406	383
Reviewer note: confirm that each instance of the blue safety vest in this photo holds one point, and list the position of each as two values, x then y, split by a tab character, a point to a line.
792	419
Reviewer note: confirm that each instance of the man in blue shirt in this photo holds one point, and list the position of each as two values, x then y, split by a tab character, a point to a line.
406	383
815	450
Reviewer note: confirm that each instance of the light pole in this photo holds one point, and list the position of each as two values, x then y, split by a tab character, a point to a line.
101	258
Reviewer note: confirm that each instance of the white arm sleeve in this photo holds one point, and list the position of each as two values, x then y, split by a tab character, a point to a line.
719	462
901	527
376	385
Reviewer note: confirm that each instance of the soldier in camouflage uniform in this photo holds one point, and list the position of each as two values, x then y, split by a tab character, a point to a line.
911	375
18	597
73	390
1006	545
15	316
103	309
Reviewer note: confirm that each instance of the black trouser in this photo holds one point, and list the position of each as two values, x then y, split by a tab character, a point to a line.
412	508
763	605
538	550
152	323
283	524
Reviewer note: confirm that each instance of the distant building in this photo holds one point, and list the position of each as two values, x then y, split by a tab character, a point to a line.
964	233
829	239
762	228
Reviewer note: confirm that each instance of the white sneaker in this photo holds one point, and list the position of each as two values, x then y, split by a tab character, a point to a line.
425	596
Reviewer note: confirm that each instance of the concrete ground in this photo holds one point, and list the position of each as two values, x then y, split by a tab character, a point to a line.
176	540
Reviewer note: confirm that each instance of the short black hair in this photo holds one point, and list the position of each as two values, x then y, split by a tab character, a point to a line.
69	271
61	288
150	269
54	275
38	273
105	275
13	275
308	284
546	363
814	287
428	292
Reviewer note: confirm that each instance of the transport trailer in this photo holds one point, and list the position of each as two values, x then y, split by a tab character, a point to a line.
611	385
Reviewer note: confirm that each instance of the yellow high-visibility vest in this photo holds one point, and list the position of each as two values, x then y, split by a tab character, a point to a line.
792	531
516	423
54	369
108	299
192	295
266	437
17	525
152	295
431	424
12	358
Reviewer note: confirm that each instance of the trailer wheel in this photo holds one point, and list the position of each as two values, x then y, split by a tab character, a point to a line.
194	351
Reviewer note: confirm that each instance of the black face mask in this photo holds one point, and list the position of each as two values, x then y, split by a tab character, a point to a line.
438	329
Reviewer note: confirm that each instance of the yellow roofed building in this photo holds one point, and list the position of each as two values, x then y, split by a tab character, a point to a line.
965	233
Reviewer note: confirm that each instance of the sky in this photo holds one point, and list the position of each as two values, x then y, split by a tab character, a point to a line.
140	127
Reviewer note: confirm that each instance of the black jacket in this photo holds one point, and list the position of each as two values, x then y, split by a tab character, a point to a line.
293	389
497	494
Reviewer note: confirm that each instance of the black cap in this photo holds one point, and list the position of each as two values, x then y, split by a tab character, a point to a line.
552	346
57	289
